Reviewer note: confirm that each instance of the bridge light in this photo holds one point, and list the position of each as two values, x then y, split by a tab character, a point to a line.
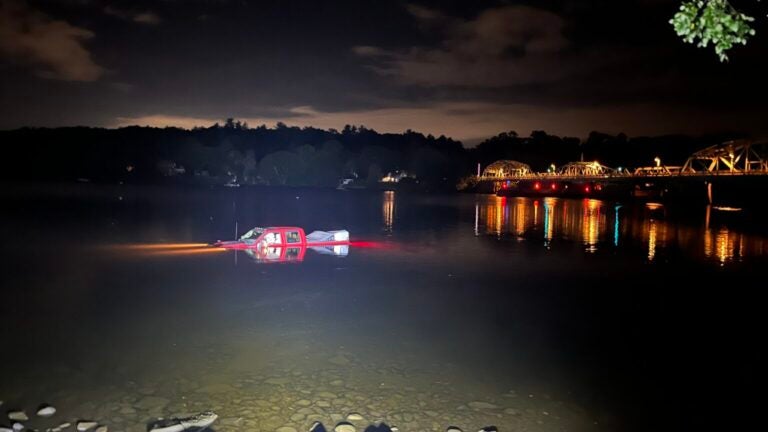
586	189
554	186
552	167
658	161
537	185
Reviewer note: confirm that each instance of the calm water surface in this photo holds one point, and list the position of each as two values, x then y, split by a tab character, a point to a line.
536	315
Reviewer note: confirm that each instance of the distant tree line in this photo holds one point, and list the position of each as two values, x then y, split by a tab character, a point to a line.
293	156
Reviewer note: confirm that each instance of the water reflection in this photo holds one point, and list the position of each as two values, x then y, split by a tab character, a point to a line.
596	224
388	210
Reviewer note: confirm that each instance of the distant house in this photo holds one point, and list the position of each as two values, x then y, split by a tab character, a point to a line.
397	177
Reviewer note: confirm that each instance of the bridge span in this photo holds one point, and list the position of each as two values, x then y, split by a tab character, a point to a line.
736	167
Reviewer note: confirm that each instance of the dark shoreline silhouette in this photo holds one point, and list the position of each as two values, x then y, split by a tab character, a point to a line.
236	154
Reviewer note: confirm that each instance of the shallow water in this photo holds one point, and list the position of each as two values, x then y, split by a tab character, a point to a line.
462	310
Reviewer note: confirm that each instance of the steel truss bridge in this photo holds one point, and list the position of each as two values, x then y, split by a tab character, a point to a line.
732	158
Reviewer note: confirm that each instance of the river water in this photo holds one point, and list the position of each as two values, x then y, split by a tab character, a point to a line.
465	310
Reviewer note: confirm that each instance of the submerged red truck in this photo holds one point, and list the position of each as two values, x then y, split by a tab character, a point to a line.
286	244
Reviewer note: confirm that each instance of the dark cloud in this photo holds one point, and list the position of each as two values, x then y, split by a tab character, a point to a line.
503	46
142	17
464	69
54	48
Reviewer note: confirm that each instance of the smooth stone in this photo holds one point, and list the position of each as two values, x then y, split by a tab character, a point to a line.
339	360
354	416
326	395
102	428
286	429
64	425
453	429
298	417
323	404
344	427
127	410
489	429
481	405
277	381
17	416
303	402
152	403
86	425
46	411
17	426
6	429
337	383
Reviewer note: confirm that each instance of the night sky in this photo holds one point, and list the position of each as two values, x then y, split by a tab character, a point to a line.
468	69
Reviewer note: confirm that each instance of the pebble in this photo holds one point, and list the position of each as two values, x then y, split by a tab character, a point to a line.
152	402
344	427
18	426
339	360
64	425
481	405
453	429
86	425
46	411
354	417
5	429
18	416
102	428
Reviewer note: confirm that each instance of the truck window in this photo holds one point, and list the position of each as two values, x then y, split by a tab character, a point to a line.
292	253
292	237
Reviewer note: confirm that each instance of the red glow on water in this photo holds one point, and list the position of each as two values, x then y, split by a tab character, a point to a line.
586	189
537	185
554	186
371	245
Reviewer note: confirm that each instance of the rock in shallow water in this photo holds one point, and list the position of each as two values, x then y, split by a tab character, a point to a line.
453	429
46	411
86	425
478	405
354	417
18	416
344	427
